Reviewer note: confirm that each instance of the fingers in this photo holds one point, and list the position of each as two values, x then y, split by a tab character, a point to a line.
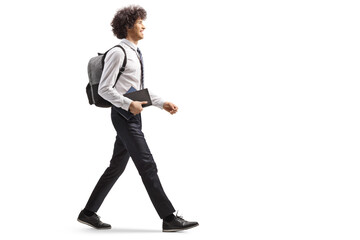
170	107
139	110
174	109
136	107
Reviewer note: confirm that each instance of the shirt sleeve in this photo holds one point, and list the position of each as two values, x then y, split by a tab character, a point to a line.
108	78
156	100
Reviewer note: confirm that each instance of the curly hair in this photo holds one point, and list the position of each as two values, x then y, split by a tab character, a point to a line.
125	18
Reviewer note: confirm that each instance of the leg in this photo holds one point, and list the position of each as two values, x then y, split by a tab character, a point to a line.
112	173
133	138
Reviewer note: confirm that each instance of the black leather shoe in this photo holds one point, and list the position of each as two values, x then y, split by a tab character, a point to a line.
178	224
93	221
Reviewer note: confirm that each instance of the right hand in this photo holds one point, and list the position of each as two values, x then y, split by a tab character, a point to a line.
136	107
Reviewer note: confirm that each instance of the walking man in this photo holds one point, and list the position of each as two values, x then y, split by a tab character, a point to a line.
128	25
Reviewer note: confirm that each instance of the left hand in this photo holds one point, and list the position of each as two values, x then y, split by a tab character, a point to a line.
170	107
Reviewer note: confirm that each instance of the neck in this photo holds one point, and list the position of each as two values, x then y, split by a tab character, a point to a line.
129	38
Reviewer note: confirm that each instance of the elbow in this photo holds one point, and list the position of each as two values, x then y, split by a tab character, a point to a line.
102	91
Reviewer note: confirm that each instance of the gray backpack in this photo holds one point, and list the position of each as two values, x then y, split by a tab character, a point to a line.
95	69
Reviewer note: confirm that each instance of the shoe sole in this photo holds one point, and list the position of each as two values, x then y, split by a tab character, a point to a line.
105	228
177	230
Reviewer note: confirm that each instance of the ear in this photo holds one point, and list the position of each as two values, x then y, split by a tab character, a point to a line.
128	30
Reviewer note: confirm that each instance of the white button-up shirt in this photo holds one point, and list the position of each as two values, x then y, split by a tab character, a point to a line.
130	77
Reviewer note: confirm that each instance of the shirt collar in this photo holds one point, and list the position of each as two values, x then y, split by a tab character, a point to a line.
130	44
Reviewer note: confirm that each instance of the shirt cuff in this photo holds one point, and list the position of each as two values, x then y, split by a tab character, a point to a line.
126	105
159	103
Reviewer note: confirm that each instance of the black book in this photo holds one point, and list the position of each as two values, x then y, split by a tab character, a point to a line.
140	96
133	94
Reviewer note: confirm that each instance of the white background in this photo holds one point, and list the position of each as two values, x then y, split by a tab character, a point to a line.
265	144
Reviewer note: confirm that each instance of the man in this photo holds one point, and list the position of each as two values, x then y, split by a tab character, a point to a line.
130	142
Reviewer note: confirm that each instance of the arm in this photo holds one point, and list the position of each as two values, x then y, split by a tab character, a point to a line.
111	69
156	100
160	103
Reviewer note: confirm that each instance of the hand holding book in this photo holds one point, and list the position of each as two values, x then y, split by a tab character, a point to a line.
140	99
136	107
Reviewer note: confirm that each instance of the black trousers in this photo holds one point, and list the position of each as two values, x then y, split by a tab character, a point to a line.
130	142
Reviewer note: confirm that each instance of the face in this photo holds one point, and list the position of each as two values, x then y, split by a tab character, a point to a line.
137	32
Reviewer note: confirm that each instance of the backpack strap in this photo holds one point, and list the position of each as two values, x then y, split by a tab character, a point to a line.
122	68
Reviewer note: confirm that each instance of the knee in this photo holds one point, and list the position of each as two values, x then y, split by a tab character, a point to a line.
147	167
117	169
